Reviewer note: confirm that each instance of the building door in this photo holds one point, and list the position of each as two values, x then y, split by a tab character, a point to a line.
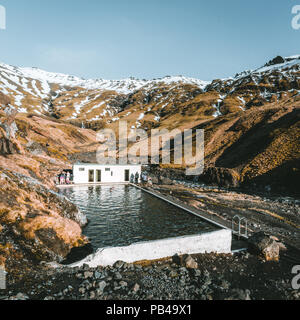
127	175
99	176
91	175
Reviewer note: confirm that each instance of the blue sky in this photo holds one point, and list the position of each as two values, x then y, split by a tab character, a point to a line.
114	39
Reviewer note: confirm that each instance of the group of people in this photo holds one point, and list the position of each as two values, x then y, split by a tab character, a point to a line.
64	178
135	178
143	178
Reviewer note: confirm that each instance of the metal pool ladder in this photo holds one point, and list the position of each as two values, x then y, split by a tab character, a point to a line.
241	222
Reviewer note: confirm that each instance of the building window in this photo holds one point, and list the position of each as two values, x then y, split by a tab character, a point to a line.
81	169
107	169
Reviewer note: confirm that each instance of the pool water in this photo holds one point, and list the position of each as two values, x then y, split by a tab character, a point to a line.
120	215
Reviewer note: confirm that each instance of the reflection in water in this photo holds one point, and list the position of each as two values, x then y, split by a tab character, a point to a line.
120	215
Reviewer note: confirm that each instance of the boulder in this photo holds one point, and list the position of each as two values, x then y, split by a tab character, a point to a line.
48	237
136	288
102	286
119	264
190	263
165	181
264	245
7	147
222	177
155	180
275	61
176	259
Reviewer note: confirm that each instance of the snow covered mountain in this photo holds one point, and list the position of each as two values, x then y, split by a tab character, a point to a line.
34	90
146	103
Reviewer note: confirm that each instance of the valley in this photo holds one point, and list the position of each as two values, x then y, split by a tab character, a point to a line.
49	121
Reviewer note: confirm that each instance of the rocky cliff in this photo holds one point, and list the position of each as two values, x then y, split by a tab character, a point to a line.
36	223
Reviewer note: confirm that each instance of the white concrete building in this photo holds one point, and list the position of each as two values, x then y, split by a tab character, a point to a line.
95	173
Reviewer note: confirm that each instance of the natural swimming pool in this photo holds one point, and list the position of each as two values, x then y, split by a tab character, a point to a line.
120	215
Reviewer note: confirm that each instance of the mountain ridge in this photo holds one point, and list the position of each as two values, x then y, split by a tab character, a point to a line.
36	73
101	102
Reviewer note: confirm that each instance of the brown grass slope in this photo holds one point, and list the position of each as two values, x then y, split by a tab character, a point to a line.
36	224
263	146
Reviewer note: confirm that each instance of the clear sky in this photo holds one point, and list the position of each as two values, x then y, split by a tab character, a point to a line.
115	39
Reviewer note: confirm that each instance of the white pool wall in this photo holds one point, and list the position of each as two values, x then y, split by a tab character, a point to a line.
212	242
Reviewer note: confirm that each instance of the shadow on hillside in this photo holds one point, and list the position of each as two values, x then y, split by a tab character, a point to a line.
283	179
255	140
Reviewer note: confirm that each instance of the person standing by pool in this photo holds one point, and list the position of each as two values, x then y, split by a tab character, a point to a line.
137	178
62	178
68	178
132	178
144	177
56	180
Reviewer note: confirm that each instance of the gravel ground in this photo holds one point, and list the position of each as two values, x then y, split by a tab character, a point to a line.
201	277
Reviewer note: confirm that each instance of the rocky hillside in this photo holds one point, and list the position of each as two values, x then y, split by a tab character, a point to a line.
36	223
262	146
